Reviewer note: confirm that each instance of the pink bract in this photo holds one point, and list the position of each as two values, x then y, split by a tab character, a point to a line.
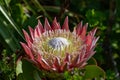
55	48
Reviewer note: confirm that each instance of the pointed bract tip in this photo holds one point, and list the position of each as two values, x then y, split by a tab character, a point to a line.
66	17
86	25
22	44
47	25
39	22
25	33
55	19
23	30
29	27
65	24
81	23
46	20
94	31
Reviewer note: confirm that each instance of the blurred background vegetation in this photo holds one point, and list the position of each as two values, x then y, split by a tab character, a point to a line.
18	14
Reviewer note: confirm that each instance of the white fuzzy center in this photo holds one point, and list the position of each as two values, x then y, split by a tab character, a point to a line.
58	43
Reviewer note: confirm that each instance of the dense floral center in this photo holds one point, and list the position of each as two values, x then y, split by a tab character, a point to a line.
58	43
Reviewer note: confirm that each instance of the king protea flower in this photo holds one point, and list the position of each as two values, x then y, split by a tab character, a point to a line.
56	48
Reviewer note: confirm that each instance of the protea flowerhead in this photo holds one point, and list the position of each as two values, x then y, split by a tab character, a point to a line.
55	48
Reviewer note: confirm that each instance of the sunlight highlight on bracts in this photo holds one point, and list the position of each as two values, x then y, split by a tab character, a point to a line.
55	48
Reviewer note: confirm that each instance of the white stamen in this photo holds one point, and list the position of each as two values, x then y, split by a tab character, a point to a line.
58	43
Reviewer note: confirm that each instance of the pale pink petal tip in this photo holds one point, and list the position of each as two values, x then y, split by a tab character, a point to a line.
79	27
40	26
31	32
55	24
65	24
27	50
27	38
47	25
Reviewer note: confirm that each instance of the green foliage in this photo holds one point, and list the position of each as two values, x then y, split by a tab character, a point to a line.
110	75
76	76
7	66
95	17
94	72
26	71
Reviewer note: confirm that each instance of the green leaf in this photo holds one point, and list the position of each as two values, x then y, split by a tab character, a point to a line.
36	2
5	13
92	61
26	71
18	14
20	77
36	75
19	68
94	72
32	22
8	37
52	8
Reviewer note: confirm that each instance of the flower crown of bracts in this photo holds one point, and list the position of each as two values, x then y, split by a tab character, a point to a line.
55	48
